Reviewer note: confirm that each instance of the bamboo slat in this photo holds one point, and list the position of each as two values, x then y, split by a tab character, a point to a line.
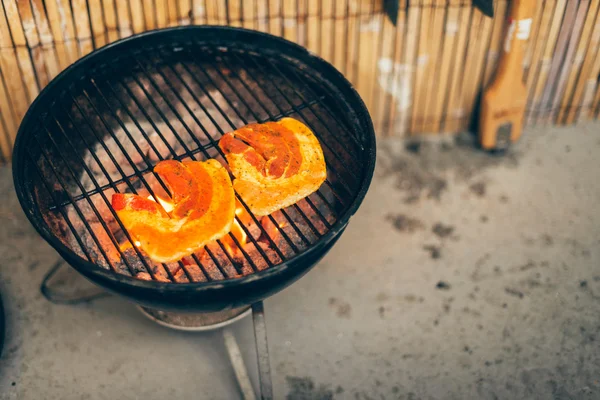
453	113
566	101
581	101
568	63
433	66
33	42
546	60
423	74
46	40
110	20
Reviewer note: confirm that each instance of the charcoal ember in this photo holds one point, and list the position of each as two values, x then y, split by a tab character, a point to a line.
131	258
316	221
180	276
161	275
213	256
259	261
143	276
285	243
195	273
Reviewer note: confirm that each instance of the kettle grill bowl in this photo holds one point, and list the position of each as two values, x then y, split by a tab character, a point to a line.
51	145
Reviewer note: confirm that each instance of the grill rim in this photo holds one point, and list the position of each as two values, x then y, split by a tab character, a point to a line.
290	49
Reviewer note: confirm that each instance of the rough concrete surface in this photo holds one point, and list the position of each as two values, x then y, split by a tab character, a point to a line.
462	276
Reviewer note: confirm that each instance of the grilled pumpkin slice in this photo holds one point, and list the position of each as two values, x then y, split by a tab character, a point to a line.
203	210
275	164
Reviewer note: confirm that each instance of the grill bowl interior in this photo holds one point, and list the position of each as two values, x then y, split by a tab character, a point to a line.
100	126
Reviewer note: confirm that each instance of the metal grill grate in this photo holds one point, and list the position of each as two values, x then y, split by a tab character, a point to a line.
105	131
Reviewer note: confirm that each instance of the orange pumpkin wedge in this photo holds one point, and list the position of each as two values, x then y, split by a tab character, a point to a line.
203	210
275	164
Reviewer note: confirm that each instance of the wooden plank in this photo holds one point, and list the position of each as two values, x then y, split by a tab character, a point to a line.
149	14
568	100
568	62
172	12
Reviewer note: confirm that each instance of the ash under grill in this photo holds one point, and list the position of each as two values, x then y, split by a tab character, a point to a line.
105	132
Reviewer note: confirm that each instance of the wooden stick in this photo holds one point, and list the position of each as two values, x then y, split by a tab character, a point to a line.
172	12
498	34
199	12
82	26
398	84
185	12
413	18
123	19
149	14
533	39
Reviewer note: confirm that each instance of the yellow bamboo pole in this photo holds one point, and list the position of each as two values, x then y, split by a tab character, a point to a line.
149	14
397	82
422	66
533	39
587	79
123	19
577	63
173	13
46	40
22	53
411	43
28	25
546	60
110	20
448	55
82	26
432	78
98	25
454	111
199	12
185	12
137	16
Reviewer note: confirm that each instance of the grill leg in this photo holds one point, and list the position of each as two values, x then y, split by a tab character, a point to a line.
60	297
262	351
241	373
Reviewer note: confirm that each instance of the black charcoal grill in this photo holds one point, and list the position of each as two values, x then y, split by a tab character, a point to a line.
102	124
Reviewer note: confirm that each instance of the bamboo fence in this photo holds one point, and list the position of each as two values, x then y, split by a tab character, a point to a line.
423	74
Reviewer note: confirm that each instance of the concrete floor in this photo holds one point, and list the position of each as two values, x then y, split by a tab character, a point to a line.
462	276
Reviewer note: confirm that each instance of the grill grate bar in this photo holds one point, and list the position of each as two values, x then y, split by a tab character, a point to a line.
214	145
308	200
176	157
190	132
309	223
302	236
62	212
283	233
187	150
129	160
75	206
149	269
144	158
274	67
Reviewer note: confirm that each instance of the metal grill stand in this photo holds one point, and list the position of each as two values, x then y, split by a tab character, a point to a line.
205	322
